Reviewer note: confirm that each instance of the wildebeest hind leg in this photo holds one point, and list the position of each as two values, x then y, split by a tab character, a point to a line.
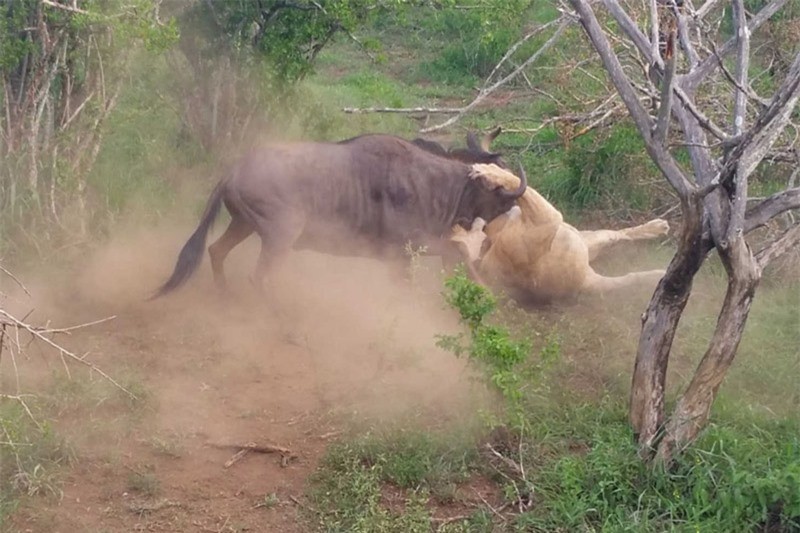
277	239
237	231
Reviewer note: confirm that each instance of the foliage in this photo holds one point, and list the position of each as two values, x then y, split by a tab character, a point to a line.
61	71
602	166
30	456
733	479
504	359
288	35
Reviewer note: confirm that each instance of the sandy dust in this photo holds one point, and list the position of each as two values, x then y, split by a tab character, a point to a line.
340	342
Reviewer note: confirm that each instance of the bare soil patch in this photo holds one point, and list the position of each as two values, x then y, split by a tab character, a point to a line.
339	344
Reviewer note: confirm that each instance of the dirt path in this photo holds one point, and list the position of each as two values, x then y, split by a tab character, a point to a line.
349	347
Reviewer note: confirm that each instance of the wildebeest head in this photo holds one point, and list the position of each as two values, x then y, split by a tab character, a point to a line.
489	196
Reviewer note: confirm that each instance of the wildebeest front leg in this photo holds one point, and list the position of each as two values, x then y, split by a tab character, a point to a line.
237	231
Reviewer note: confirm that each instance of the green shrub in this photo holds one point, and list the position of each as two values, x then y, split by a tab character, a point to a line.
607	168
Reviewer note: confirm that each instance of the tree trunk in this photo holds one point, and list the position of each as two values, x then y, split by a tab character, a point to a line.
693	408
659	324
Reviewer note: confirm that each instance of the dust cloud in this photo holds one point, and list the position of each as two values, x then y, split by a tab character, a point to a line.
336	335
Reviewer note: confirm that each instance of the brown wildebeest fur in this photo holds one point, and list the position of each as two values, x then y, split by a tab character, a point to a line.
535	254
365	196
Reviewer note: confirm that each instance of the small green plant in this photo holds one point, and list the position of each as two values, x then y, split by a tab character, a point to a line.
31	455
415	266
269	501
144	482
170	447
504	359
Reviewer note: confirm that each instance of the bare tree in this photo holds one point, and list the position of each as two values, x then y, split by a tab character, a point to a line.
699	84
61	71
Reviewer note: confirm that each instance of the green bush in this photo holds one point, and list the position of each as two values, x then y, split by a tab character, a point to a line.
604	169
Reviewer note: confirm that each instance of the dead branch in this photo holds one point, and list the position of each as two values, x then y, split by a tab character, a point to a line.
705	122
746	89
143	508
665	109
243	449
409	110
641	118
47	330
15	279
779	246
72	9
510	463
564	21
683	35
706	66
515	47
63	352
20	398
447	521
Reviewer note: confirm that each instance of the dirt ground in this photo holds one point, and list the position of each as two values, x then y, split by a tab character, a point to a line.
340	345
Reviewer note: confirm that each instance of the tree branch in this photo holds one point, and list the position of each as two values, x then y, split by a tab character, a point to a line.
691	80
770	208
71	9
756	142
486	91
665	109
742	64
516	46
654	29
739	204
430	110
632	30
38	334
641	118
685	38
779	246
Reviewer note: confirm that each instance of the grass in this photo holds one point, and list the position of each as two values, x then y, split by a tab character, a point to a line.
144	482
572	436
31	456
408	467
67	413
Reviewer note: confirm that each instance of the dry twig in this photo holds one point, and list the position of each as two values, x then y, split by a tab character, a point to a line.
243	449
16	280
40	333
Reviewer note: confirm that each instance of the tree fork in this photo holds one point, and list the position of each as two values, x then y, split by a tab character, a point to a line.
693	408
659	324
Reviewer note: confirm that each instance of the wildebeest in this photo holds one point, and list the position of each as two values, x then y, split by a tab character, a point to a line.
532	252
368	195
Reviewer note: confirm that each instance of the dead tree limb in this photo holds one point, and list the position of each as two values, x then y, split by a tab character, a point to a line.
63	352
403	110
563	22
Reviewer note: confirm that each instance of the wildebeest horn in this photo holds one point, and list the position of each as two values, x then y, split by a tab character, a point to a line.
489	137
473	144
523	186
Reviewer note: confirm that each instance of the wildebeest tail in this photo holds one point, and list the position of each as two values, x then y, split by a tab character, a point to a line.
192	252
